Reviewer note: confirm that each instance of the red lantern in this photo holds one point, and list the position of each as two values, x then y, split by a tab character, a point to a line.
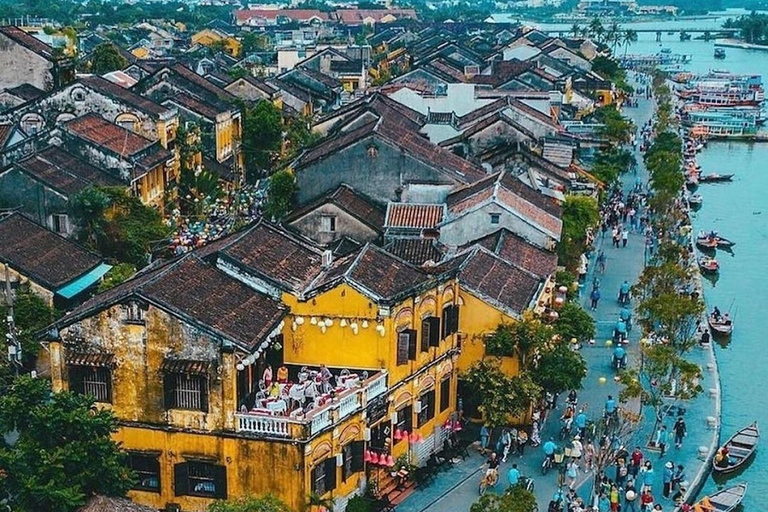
404	435
374	458
390	461
398	434
367	456
457	426
414	437
447	424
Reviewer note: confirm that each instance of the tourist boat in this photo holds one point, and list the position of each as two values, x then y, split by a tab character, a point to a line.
695	200
708	265
708	239
724	500
692	180
715	178
722	325
706	243
719	53
740	448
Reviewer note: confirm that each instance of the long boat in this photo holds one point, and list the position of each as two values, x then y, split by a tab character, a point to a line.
739	448
722	325
724	500
715	178
708	265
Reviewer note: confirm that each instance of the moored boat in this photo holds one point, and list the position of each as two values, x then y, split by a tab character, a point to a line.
719	53
737	450
713	239
724	500
708	265
715	178
695	200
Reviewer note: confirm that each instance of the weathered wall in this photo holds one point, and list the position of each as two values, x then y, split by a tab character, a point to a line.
376	176
477	224
19	65
18	189
346	225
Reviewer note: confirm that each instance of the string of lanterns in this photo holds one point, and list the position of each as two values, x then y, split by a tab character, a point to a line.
252	358
371	457
323	323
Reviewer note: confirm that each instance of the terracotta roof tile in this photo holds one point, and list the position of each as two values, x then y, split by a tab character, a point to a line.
26	92
64	171
518	251
414	216
189	102
501	283
28	41
202	83
40	254
272	14
97	130
126	96
383	274
415	251
355	16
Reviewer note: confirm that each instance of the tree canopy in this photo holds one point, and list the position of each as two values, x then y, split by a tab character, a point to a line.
262	138
499	396
280	192
31	314
105	58
514	499
579	214
62	452
266	503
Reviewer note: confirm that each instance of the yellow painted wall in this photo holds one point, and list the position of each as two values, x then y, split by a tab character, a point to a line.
208	37
253	466
152	186
16	277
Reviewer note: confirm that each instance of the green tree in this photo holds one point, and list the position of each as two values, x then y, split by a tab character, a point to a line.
519	339
499	396
514	499
574	323
559	369
262	138
63	452
579	214
266	503
280	193
105	58
116	275
30	314
254	42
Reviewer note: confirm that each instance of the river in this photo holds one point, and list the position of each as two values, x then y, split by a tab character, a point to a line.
738	210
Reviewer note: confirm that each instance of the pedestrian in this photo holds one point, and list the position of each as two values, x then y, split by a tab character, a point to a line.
513	475
624	237
621	472
657	508
522	438
577	449
679	496
616	236
669	473
646	501
513	441
630	496
571	472
680	431
603	503
646	476
502	446
589	455
679	477
661	440
535	430
635	461
485	437
595	296
615	499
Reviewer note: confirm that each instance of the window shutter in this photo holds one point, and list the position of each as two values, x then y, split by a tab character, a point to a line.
169	384
434	331
402	347
220	481
454	318
358	452
426	335
446	322
411	344
204	393
181	479
330	474
316	471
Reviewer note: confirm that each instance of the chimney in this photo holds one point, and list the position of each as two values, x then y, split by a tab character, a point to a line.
327	258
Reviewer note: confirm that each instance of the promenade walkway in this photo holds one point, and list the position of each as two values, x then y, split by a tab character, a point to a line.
456	489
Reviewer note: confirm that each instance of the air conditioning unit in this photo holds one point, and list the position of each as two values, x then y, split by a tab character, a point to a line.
417	407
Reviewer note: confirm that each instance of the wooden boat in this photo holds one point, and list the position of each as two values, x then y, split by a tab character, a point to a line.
708	265
695	200
726	500
712	239
715	178
692	181
722	325
719	53
706	243
740	448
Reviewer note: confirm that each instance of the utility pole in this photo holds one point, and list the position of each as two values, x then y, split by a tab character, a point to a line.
14	345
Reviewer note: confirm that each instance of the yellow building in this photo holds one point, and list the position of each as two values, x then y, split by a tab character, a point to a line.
211	37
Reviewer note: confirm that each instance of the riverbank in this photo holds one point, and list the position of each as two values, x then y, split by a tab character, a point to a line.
735	43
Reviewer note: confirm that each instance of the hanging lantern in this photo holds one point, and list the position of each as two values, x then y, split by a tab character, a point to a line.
447	425
414	437
365	324
353	326
457	426
313	321
328	322
300	320
343	322
240	367
398	434
390	461
264	345
405	435
294	326
366	456
374	458
323	328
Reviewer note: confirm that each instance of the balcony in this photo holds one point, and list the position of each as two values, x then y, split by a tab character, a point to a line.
301	424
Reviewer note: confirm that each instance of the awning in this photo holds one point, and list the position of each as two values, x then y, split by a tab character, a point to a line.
99	360
83	282
186	366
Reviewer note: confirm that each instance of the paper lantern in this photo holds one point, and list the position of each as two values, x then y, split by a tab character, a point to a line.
602	380
328	322
343	322
365	324
608	343
414	437
240	367
374	458
300	320
405	435
367	456
563	289
323	328
353	326
313	321
390	461
398	434
574	341
447	424
294	326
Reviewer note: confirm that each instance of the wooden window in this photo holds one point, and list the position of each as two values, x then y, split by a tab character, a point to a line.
430	333
405	419
495	218
60	223
353	459
402	347
200	479
445	393
412	343
450	320
427	407
380	435
134	314
324	476
328	224
147	471
93	381
185	391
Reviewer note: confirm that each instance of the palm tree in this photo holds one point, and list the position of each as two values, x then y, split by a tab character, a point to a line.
613	36
630	36
575	29
596	30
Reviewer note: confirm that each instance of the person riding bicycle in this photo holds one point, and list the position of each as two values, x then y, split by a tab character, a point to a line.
620	331
493	467
626	316
620	357
610	406
549	448
624	292
573	398
601	261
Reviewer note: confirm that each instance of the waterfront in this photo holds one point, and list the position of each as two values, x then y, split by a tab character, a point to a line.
739	211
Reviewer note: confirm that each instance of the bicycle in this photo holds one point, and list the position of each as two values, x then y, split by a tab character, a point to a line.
490	479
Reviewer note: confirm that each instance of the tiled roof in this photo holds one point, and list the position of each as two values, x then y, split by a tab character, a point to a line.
40	254
503	72
151	160
28	41
274	254
518	251
222	170
375	272
534	197
64	172
414	216
501	283
201	82
272	14
97	130
192	104
354	16
349	200
200	294
26	92
126	96
6	130
415	251
109	504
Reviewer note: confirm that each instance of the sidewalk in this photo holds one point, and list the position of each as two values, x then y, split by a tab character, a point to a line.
457	489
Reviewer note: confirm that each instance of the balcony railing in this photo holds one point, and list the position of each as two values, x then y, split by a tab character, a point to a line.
317	420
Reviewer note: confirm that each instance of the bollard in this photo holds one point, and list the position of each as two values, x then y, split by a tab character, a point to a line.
712	392
711	421
710	367
703	450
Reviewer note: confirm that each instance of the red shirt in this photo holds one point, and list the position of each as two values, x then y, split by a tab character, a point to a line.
637	457
646	498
